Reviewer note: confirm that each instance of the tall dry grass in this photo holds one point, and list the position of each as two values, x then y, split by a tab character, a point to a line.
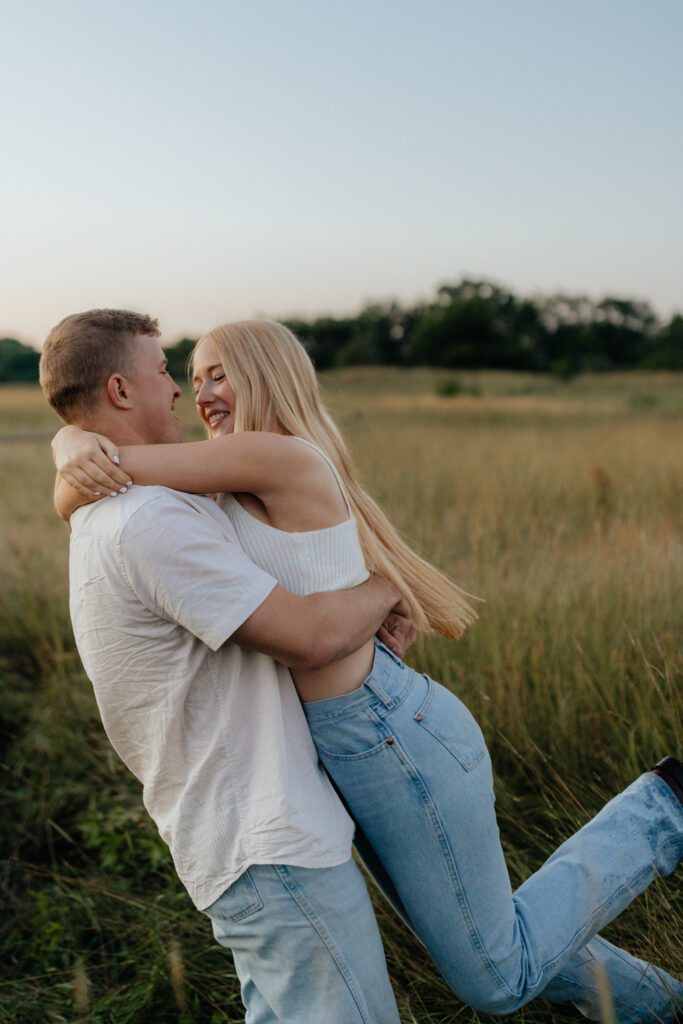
558	504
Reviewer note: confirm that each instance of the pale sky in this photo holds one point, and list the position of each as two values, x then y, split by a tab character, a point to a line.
210	160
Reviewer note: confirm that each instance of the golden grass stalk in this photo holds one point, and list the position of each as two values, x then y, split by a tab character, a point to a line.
176	969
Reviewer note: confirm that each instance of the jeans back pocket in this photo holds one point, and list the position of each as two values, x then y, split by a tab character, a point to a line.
240	900
448	720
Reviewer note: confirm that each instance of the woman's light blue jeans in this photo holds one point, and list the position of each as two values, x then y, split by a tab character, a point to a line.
411	763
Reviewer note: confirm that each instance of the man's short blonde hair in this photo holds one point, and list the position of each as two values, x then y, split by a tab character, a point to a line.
82	352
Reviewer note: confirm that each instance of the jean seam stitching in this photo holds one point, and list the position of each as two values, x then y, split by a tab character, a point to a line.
429	699
449	857
307	910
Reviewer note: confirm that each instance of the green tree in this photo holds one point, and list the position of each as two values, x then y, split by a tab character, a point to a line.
324	338
585	335
620	332
17	362
666	350
476	324
378	336
178	356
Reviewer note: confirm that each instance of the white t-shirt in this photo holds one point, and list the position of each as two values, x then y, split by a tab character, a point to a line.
216	734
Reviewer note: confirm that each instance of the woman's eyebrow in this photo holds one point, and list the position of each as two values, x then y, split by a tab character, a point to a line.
209	369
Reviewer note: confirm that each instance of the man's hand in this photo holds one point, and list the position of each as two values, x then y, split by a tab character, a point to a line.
397	631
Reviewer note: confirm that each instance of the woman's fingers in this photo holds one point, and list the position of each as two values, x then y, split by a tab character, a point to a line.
95	470
91	458
104	470
110	449
89	463
76	483
107	475
107	458
91	479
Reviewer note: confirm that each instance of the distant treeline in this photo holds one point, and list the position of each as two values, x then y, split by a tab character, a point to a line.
469	325
477	325
17	362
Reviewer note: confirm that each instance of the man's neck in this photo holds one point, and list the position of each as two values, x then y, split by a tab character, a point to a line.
120	429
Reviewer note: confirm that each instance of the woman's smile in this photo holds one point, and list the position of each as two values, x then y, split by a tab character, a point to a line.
214	395
215	419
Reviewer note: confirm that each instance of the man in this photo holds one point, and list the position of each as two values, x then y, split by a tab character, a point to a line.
178	630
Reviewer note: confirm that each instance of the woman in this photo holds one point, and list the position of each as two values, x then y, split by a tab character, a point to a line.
407	756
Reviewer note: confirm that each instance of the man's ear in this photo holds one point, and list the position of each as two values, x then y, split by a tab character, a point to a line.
117	389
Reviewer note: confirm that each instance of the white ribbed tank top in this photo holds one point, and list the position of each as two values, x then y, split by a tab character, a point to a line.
304	563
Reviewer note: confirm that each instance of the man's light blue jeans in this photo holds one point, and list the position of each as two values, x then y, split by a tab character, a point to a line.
412	766
306	946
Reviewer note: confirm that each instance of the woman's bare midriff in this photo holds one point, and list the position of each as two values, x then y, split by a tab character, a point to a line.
340	677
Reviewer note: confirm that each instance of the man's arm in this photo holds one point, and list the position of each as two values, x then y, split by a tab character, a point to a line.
179	561
312	631
66	499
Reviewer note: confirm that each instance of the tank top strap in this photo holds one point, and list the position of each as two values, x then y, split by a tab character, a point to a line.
332	466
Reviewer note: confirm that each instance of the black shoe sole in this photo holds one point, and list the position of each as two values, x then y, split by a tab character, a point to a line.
671	771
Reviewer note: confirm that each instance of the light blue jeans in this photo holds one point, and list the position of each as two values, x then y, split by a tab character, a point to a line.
306	946
411	763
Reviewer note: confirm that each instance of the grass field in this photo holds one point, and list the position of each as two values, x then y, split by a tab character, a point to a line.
560	504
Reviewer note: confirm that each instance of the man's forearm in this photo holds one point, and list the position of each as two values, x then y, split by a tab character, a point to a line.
66	499
315	630
343	620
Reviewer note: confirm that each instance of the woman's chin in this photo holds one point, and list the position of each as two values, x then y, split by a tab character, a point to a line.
221	429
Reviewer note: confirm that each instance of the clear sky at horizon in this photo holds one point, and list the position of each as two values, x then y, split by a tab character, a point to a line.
216	160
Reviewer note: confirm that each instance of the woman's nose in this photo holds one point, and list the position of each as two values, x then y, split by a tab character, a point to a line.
204	394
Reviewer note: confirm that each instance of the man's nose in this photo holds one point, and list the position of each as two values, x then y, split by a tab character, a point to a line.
176	390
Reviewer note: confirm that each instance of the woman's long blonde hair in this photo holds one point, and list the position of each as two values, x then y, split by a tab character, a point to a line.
275	385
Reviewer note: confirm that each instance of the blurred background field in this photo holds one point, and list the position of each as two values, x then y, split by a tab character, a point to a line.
559	503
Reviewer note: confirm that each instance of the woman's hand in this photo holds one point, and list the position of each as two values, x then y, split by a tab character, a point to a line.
89	462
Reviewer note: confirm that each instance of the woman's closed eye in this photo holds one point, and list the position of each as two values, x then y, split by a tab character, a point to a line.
215	378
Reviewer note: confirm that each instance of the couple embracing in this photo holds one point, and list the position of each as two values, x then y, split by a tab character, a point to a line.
245	654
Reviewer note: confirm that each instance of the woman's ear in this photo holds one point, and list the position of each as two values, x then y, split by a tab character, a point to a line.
117	389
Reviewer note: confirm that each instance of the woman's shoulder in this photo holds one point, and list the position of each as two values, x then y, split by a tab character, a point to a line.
318	454
302	459
281	453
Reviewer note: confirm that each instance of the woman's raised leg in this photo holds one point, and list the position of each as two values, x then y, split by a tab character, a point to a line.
412	765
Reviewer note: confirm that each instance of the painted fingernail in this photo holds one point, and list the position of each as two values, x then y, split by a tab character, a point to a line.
129	483
122	490
98	494
115	459
113	494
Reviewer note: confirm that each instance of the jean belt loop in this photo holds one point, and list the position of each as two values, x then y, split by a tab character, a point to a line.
383	667
380	692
